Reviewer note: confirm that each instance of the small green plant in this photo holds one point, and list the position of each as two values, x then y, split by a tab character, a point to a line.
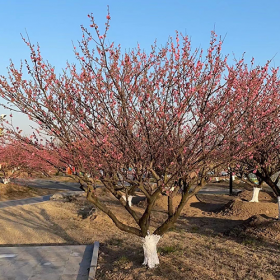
195	229
121	261
104	192
250	241
177	229
167	250
115	242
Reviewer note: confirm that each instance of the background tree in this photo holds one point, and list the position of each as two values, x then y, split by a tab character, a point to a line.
18	159
259	89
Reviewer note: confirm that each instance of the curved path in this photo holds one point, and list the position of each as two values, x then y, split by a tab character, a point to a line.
72	186
62	262
31	200
39	183
47	184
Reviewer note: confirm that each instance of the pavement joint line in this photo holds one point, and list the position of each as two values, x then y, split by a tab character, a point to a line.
3	256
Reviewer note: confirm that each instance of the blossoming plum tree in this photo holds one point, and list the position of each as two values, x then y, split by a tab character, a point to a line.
152	122
17	159
257	104
262	121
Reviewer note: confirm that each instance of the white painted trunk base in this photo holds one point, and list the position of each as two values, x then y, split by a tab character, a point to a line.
255	197
6	181
129	199
150	250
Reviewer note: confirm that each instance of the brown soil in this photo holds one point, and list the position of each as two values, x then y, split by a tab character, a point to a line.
213	238
12	192
264	196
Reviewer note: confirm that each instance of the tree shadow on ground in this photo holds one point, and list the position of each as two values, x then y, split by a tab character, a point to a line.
120	260
22	222
26	228
206	225
225	228
211	202
185	257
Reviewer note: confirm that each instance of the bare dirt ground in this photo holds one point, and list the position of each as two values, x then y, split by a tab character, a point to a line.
12	192
217	237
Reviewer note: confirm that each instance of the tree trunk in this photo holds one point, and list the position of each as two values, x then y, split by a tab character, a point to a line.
278	198
150	250
269	181
170	206
255	197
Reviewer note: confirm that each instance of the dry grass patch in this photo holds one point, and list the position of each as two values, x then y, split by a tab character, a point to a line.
12	192
201	246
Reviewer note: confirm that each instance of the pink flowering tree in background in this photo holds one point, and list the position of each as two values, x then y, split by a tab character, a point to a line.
263	161
262	121
18	159
256	107
154	122
253	119
258	89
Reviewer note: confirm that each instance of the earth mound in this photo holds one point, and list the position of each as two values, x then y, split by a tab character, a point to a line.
245	209
258	227
264	196
162	201
13	191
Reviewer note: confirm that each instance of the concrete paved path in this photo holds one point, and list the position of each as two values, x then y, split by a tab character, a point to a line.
217	190
38	183
74	262
72	186
31	200
47	184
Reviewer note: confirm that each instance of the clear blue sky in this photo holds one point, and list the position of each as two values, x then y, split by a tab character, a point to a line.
250	26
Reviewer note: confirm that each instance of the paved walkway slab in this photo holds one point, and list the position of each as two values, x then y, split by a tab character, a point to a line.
46	262
217	190
47	184
25	201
